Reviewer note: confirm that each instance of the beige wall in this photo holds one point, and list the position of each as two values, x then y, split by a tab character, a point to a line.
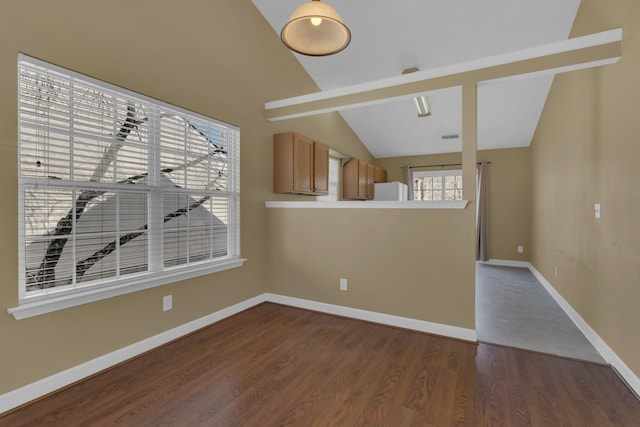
586	151
218	58
403	262
406	262
509	195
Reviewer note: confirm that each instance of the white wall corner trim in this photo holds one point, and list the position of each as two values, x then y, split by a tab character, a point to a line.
47	385
375	317
601	346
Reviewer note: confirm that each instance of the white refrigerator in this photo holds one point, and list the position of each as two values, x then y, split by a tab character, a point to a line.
395	190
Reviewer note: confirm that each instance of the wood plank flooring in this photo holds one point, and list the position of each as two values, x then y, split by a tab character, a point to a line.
274	365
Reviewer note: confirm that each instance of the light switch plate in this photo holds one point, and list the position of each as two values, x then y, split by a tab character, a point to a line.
597	210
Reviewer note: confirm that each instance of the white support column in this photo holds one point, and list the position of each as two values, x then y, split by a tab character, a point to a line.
469	148
469	141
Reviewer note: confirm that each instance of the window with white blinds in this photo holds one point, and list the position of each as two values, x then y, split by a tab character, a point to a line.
116	187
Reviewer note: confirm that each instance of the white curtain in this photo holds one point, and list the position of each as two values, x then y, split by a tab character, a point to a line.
482	214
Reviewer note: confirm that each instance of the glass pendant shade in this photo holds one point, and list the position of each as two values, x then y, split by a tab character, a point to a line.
315	29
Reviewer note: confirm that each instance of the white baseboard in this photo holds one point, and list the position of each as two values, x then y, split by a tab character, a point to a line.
506	263
600	345
375	317
42	387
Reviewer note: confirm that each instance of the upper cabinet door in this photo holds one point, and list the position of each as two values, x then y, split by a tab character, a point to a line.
362	180
371	171
380	175
320	169
302	164
350	179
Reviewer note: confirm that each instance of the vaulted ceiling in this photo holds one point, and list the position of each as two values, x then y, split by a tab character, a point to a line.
391	36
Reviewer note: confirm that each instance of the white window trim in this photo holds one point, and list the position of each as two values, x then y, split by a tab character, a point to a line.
48	302
68	300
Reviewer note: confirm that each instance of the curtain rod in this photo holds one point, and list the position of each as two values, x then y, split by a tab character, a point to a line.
442	166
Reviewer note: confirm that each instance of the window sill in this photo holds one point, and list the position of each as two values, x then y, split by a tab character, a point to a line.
35	308
370	204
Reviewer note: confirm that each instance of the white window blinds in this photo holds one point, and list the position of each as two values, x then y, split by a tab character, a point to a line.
115	185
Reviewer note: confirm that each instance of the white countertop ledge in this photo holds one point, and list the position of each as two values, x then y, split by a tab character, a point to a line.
369	204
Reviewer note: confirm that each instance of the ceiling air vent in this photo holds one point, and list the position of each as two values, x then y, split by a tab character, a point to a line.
452	136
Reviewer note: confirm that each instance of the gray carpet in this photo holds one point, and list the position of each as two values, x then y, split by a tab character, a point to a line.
514	309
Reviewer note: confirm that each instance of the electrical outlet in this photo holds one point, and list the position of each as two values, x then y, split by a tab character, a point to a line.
167	302
344	285
597	210
555	272
520	249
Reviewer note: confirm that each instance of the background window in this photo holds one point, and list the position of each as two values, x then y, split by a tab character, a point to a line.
437	185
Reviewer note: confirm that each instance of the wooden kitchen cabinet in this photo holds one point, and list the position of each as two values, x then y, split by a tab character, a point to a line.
358	179
300	165
380	175
354	180
371	174
320	168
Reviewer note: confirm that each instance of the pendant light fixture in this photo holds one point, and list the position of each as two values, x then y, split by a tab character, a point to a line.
315	29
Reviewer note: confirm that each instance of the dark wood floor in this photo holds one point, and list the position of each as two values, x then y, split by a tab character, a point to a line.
280	366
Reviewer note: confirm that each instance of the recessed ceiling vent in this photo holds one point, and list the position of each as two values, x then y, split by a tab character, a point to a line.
452	136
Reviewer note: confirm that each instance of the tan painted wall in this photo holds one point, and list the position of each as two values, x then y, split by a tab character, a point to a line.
401	262
509	195
412	263
218	58
586	151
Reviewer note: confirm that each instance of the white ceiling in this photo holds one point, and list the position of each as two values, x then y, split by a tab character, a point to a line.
390	36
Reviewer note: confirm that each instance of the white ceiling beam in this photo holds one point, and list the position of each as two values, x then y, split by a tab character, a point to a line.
581	52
